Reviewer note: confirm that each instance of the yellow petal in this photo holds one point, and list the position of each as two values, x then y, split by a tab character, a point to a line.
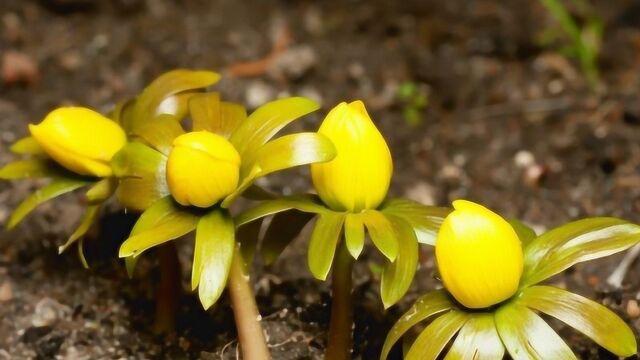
358	177
202	168
80	139
479	255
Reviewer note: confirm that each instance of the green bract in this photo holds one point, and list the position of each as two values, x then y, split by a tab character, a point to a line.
514	325
142	169
395	229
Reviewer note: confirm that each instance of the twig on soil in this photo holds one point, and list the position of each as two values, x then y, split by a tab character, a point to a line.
261	66
525	107
617	276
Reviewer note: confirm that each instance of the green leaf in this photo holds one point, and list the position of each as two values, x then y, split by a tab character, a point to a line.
255	192
33	168
304	203
87	220
231	116
526	336
121	113
425	220
433	303
205	112
478	340
433	339
130	264
160	211
247	236
169	222
284	228
398	275
27	145
102	190
160	132
322	246
83	260
287	152
590	318
171	83
210	114
177	105
578	241
267	120
525	233
48	192
382	233
244	185
354	234
142	174
213	253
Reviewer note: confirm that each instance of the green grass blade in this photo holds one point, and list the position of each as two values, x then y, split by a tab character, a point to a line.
590	318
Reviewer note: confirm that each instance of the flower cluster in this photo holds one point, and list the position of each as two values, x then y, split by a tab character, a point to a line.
181	157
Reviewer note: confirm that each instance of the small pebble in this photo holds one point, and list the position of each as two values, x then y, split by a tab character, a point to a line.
6	291
524	159
258	93
633	310
48	311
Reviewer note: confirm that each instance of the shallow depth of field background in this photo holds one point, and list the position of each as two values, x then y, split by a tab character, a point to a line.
509	122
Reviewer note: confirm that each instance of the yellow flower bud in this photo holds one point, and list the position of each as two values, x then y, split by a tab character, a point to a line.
358	177
80	139
203	168
479	255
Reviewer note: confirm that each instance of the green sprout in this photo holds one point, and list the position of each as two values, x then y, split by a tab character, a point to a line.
487	307
414	99
585	41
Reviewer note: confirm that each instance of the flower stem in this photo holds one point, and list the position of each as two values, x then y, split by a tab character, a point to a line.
341	323
250	336
169	289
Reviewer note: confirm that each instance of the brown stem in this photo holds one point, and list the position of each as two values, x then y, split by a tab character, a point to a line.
250	336
341	323
169	289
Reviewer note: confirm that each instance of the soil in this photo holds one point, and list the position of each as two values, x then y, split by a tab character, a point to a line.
509	123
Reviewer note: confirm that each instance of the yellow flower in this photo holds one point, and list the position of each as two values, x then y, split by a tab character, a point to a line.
202	168
479	255
80	139
358	177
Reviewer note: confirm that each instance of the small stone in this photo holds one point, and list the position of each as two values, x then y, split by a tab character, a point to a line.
422	193
311	93
294	63
48	312
534	174
6	291
524	159
258	93
18	67
71	60
633	310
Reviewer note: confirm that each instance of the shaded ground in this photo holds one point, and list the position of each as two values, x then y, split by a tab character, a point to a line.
509	123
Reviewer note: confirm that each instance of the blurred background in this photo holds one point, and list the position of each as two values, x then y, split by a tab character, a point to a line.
530	107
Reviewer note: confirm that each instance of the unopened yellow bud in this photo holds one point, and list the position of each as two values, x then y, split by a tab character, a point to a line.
358	177
479	255
80	139
203	168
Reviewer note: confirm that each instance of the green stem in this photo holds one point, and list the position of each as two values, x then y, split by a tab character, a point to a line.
169	289
341	323
250	335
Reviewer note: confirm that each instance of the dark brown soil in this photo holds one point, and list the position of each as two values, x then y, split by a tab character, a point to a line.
509	123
